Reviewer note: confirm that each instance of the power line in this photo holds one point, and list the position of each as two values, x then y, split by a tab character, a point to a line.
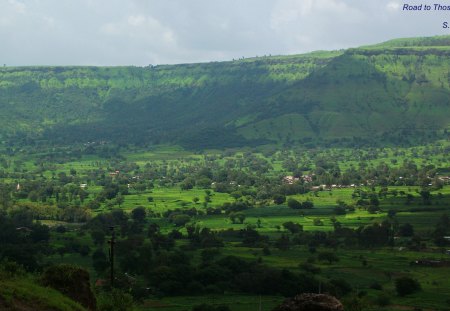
111	253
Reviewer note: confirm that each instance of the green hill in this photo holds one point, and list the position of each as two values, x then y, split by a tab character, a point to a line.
397	91
24	294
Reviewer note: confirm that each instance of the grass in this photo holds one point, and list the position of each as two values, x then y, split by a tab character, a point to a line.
26	294
173	197
360	267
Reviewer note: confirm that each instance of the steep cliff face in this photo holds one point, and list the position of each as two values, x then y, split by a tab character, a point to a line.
395	91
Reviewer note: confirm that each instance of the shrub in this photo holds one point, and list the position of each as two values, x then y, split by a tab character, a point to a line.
294	204
406	285
382	300
376	286
309	267
72	281
328	256
116	300
317	222
10	269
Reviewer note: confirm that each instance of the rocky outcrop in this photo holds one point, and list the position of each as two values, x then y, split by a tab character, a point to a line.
71	281
311	302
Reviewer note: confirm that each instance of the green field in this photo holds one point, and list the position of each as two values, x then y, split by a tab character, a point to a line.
373	186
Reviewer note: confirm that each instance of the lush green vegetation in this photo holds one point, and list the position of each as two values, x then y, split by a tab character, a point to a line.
336	179
21	292
392	93
236	222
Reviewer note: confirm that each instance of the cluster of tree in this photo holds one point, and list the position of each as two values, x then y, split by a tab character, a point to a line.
143	250
390	171
22	240
294	204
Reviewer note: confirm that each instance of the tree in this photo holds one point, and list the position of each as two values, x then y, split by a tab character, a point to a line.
258	223
339	210
84	250
294	204
374	201
375	234
5	196
327	256
283	243
406	230
180	220
98	236
317	222
109	192
279	198
409	199
232	217
207	198
153	229
61	251
187	184
426	197
391	213
293	227
115	300
119	200
406	286
441	230
373	209
138	214
307	204
203	182
241	217
238	216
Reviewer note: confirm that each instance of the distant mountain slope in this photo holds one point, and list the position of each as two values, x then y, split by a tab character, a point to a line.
395	91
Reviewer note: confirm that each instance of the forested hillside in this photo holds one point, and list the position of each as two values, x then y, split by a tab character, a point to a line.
398	91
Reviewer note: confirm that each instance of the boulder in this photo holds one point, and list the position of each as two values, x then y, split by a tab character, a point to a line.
311	302
71	281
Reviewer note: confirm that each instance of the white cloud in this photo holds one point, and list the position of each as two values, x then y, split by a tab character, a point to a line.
18	6
139	32
143	31
393	6
110	29
306	25
136	20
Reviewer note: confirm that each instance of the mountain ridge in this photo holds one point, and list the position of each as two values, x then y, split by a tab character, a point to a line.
396	91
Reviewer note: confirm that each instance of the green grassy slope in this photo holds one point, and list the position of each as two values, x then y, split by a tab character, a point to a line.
392	91
23	294
365	94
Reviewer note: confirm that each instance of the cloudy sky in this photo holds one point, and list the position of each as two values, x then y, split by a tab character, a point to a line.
143	32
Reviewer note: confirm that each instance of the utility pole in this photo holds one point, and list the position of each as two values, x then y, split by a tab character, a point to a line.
111	253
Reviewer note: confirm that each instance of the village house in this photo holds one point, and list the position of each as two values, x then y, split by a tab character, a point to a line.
444	179
114	174
290	179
